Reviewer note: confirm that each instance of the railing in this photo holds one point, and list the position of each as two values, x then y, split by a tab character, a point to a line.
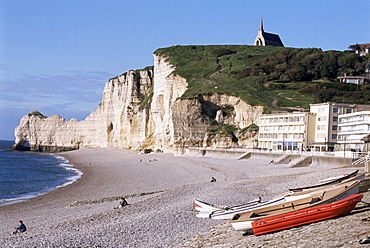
362	160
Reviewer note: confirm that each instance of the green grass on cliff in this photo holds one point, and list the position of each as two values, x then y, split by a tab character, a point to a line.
274	77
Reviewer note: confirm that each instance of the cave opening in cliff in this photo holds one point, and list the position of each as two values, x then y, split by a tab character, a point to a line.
22	146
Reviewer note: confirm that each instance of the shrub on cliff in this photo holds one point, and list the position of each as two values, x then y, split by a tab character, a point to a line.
37	113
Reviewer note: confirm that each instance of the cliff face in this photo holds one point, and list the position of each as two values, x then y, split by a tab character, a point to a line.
142	110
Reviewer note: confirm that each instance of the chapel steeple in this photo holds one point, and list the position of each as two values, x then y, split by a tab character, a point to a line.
261	26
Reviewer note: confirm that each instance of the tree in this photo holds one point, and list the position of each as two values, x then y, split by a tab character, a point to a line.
355	47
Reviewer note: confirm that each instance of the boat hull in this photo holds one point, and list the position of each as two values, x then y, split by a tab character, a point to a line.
306	216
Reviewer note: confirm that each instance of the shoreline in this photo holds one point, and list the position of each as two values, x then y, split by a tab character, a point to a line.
71	179
168	215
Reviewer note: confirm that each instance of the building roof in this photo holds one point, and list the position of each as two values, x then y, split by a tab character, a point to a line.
272	39
367	45
366	138
352	77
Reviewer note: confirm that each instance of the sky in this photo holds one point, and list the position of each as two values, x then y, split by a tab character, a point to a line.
56	56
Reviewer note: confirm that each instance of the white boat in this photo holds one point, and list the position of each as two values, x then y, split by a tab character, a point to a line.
202	206
243	221
229	212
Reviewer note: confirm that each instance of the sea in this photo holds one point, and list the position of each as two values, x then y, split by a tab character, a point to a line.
28	174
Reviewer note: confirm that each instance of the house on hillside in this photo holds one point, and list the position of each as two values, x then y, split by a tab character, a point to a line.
352	79
357	79
267	39
363	49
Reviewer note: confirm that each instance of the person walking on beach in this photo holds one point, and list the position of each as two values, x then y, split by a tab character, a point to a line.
21	228
122	203
213	180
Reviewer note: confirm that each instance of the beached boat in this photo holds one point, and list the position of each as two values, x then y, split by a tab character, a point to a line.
306	216
243	221
205	206
228	212
202	206
333	180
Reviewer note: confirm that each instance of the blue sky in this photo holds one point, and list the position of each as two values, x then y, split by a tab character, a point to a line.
55	56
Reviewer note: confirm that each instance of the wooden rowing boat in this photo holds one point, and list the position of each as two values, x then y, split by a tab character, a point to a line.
243	221
334	180
306	216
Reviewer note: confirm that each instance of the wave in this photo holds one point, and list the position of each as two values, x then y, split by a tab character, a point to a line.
66	165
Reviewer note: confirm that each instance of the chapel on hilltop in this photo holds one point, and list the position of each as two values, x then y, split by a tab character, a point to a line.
267	39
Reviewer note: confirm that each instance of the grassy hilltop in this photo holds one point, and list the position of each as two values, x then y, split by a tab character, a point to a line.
275	77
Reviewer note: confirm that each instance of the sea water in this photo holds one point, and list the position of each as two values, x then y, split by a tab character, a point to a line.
28	174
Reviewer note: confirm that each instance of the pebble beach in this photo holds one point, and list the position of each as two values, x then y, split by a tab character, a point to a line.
160	189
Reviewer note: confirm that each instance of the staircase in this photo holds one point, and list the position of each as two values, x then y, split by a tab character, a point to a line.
245	155
281	158
361	160
298	162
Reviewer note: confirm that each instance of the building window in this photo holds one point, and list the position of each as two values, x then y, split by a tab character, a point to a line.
349	111
334	136
321	127
335	110
321	135
335	118
334	128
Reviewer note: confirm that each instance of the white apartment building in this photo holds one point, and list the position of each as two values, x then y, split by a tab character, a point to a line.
286	131
327	122
353	128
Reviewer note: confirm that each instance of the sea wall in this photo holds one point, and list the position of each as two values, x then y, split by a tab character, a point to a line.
238	153
331	162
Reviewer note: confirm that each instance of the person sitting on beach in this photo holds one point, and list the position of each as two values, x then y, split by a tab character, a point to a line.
122	203
21	228
213	180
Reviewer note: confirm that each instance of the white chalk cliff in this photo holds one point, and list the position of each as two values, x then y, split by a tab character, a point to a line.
142	110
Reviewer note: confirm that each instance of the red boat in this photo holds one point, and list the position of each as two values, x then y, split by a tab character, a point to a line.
305	216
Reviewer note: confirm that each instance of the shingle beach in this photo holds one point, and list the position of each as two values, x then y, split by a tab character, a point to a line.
160	189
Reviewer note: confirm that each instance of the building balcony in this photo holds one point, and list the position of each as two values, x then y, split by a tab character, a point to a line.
354	123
